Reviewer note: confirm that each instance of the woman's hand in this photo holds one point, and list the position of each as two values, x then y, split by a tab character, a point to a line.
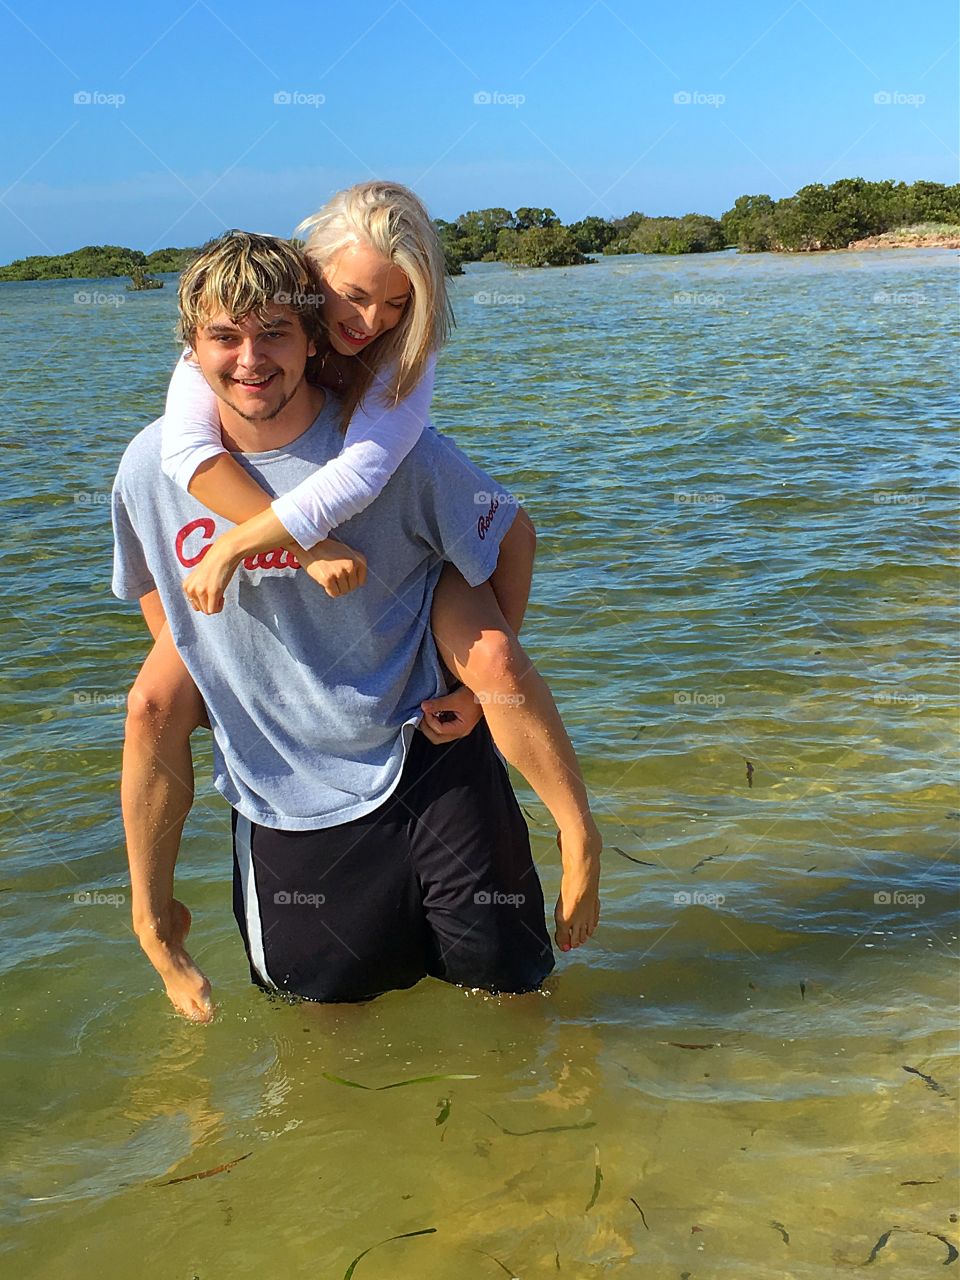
335	566
205	585
450	717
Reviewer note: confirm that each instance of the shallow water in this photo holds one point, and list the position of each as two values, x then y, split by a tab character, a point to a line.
741	471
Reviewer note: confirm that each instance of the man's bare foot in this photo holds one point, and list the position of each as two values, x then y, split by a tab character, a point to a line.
186	986
578	904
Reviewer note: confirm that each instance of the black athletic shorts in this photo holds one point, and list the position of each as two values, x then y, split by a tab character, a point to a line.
438	881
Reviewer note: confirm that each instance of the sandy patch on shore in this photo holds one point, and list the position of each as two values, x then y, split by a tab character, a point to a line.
893	240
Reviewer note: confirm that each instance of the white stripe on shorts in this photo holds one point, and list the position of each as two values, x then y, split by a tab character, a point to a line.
251	903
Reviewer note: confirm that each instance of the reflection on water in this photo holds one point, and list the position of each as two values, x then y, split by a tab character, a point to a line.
740	471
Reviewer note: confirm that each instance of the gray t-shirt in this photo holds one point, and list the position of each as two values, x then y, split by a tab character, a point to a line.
313	701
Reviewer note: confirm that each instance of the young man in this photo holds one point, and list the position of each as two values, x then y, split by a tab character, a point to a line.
365	857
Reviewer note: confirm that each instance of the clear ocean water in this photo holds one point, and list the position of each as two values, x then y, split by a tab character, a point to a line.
743	474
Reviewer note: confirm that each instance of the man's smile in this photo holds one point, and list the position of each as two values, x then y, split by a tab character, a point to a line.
255	384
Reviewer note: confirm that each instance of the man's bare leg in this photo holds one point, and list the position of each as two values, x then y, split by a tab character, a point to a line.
479	647
156	793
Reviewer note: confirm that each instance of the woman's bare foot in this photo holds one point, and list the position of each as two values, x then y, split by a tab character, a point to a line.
578	904
186	986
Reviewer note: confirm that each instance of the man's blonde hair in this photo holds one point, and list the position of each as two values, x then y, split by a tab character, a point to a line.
392	220
244	274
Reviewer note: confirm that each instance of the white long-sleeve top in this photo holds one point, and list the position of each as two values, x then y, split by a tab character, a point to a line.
378	438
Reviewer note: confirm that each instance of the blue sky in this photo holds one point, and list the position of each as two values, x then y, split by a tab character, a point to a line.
183	136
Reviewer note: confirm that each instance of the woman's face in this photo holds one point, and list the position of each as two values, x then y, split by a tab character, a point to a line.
364	296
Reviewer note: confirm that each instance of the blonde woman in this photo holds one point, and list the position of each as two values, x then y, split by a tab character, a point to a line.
384	314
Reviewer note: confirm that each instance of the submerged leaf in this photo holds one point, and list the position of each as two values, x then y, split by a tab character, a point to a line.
643	1216
407	1235
597	1181
207	1173
453	1075
711	857
351	1084
630	858
928	1081
550	1128
679	1044
502	1267
952	1254
397	1084
881	1244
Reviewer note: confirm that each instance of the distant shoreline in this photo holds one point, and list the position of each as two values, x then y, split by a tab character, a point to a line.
890	240
817	219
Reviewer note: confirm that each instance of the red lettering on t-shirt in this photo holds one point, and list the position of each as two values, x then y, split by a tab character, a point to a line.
206	526
275	558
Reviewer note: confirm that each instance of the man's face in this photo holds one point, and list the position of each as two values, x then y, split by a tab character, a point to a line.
255	365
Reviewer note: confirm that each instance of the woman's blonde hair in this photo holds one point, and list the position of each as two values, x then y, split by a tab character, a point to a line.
393	221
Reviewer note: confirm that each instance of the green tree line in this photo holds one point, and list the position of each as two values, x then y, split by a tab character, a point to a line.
820	217
96	262
817	217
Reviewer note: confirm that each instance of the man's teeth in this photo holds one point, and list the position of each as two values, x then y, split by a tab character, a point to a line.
253	382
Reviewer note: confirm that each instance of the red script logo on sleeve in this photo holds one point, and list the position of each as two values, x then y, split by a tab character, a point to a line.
485	521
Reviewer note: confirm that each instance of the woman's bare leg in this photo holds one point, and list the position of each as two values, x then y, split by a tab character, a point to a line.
156	792
478	646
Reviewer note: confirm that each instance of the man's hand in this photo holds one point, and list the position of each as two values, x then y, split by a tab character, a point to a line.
450	717
335	566
162	942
